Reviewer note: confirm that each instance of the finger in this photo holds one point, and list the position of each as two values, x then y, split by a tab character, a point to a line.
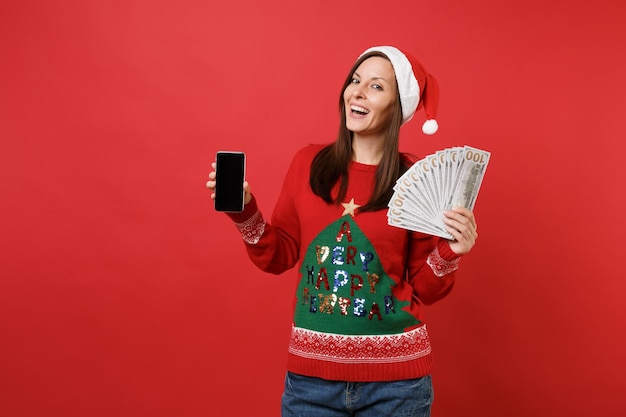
456	235
461	244
462	216
461	224
247	196
458	212
461	232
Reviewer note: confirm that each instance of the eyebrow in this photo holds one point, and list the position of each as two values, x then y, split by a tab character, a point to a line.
373	78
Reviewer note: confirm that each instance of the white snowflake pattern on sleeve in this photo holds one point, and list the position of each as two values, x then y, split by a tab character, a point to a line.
252	229
439	265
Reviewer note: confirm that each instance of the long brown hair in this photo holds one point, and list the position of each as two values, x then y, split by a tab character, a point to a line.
331	163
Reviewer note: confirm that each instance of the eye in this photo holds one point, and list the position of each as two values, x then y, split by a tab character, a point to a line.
354	81
377	86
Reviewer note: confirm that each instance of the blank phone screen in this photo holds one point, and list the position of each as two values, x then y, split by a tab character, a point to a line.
230	173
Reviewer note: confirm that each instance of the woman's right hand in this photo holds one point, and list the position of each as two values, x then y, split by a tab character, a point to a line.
211	186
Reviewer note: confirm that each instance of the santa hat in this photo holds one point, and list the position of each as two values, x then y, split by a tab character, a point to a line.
416	86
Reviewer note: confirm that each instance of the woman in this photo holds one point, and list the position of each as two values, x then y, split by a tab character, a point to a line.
359	345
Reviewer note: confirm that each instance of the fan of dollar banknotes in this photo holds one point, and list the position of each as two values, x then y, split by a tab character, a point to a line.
448	178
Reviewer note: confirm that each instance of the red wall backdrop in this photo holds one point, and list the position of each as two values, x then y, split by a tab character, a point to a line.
122	293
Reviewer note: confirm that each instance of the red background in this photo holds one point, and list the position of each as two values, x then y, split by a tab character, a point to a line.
123	293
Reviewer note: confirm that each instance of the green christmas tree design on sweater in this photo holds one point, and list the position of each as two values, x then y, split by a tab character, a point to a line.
344	289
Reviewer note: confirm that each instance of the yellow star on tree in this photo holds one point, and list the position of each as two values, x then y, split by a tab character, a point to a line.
349	208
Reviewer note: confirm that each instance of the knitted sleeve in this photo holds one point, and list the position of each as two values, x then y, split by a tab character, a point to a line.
431	267
273	246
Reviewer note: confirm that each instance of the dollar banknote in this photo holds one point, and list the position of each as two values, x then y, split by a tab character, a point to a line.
448	178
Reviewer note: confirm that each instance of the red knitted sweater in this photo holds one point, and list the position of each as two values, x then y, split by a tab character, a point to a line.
361	282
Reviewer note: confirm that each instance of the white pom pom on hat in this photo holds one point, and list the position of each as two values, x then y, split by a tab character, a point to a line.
416	86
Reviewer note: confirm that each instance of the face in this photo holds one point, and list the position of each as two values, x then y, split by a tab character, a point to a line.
371	97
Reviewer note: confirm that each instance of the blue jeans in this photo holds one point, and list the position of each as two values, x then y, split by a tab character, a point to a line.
313	397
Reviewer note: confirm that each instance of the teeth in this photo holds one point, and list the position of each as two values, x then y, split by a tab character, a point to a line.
359	109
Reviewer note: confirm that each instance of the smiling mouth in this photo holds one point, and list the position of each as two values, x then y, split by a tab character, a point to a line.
361	111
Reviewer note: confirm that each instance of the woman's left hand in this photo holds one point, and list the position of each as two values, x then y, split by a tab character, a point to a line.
462	225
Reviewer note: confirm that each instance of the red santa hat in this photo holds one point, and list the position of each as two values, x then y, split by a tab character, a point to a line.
416	86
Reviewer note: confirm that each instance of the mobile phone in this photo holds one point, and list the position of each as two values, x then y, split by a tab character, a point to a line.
229	176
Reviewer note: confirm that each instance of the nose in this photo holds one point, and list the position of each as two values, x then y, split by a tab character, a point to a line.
357	90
